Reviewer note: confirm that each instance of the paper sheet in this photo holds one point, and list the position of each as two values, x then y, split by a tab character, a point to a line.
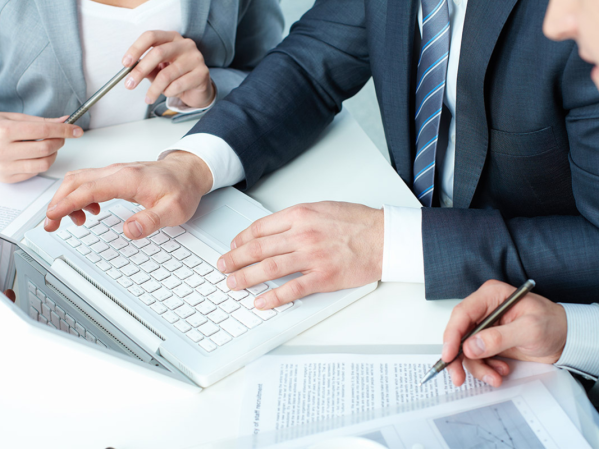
23	203
289	391
525	417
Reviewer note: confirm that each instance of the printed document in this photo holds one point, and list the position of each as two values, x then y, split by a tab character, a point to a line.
22	205
284	391
525	416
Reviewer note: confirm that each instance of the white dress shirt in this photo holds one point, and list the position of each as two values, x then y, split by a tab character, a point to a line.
106	34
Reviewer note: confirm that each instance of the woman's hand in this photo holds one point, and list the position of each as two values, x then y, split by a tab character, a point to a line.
175	67
29	144
533	330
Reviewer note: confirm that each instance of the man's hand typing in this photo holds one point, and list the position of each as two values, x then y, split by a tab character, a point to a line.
334	245
170	190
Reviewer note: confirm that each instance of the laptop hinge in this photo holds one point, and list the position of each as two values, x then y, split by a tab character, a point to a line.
107	307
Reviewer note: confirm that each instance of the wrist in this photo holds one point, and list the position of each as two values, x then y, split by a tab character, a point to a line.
199	175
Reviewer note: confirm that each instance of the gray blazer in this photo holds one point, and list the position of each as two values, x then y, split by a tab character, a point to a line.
41	67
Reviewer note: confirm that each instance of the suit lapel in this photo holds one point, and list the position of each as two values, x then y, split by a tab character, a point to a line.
61	23
195	16
396	86
482	28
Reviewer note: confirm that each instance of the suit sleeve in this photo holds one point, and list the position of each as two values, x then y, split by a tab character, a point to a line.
465	247
290	98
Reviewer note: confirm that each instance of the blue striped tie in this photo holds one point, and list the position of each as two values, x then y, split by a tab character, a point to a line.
430	91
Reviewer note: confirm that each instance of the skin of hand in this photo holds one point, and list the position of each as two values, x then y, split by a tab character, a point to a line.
10	295
170	190
578	20
333	245
29	144
175	67
535	330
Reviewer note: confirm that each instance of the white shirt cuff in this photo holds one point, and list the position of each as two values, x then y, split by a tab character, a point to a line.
175	104
403	256
223	162
581	353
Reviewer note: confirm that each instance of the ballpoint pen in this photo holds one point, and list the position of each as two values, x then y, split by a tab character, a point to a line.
99	94
486	323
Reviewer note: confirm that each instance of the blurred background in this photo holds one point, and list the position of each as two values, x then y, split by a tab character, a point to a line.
364	106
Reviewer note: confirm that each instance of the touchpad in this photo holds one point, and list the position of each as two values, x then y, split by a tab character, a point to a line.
222	224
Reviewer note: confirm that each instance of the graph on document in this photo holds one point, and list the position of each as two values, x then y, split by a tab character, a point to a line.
506	425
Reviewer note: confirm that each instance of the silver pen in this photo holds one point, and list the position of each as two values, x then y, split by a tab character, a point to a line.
486	323
103	91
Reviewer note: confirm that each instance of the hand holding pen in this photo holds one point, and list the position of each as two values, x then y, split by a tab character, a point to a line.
534	329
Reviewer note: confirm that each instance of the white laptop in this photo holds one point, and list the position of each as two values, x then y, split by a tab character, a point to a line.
164	292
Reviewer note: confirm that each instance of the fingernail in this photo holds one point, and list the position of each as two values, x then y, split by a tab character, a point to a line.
127	60
450	372
477	346
500	370
445	350
222	265
77	132
130	83
233	244
52	208
149	100
488	380
135	229
260	303
46	222
231	282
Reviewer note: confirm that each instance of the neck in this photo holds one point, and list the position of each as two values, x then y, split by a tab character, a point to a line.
129	4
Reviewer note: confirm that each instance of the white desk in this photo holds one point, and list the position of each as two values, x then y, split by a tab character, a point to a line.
344	165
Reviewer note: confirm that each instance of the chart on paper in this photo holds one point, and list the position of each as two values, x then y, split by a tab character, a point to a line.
509	424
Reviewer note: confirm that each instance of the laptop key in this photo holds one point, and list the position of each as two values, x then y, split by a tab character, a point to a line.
129	270
171	282
161	257
265	314
147	299
119	262
128	250
118	227
135	290
192	261
99	247
173	302
139	258
103	265
217	316
194	280
193	299
206	289
109	236
93	257
205	307
70	320
183	326
185	311
151	249
257	289
182	290
140	243
64	234
172	265
99	230
233	327
84	250
197	319
229	306
181	254
151	286
284	307
78	231
162	294
208	329
159	238
214	277
149	266
125	282
247	318
160	274
238	295
183	273
121	211
109	254
90	240
221	338
110	221
119	243
203	269
114	273
222	286
73	242
158	307
173	231
170	246
208	345
171	317
194	335
140	277
217	297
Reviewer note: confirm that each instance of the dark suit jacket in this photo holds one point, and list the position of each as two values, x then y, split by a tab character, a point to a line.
526	189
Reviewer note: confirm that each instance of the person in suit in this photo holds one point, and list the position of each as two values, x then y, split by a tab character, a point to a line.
55	55
492	125
535	329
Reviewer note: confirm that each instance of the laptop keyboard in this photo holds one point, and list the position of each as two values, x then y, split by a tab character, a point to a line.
44	310
171	279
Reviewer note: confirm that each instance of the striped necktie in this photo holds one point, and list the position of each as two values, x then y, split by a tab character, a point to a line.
430	91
